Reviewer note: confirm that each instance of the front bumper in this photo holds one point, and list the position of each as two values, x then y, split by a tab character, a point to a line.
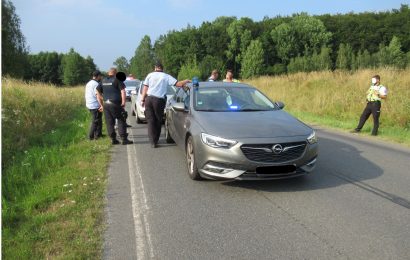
223	164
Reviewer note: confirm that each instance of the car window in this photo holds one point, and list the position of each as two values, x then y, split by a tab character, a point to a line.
171	90
183	96
231	99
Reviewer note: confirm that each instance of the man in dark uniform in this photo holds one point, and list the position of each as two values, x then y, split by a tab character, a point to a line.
154	99
113	92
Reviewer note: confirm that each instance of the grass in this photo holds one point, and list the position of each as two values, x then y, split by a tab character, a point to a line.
337	99
53	178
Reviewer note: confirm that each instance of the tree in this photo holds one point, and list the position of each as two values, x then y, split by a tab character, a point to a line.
240	35
90	67
74	69
392	55
189	70
252	61
210	63
302	35
122	64
14	51
344	57
143	61
44	67
363	60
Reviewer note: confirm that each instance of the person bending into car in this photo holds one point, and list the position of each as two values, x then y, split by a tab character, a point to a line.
154	99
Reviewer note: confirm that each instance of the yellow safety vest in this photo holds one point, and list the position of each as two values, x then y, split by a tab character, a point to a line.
372	93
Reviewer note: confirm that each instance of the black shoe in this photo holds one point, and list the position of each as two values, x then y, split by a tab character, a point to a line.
154	145
126	141
115	141
355	131
129	125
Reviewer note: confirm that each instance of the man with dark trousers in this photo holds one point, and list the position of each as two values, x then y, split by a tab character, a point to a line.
154	99
113	93
95	105
375	94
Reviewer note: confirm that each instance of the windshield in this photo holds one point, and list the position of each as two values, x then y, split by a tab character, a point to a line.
229	99
131	83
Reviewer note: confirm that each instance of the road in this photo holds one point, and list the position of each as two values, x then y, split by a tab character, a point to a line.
355	205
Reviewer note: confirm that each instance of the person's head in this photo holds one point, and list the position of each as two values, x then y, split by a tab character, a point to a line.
97	75
229	75
215	74
158	66
112	72
376	80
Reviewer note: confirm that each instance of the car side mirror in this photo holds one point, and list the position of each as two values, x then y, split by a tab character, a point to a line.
280	104
179	106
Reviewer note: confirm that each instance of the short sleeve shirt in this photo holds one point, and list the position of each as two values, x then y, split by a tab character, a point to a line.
90	94
158	83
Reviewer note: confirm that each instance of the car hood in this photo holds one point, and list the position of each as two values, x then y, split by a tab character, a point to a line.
260	124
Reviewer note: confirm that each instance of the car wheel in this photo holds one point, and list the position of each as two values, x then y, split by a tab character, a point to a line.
168	137
139	121
190	159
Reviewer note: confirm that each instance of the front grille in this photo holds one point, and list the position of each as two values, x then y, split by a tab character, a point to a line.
264	152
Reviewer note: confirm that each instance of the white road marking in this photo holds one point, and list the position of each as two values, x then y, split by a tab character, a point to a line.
140	207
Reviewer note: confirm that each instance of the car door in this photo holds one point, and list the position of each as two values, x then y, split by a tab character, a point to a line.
179	117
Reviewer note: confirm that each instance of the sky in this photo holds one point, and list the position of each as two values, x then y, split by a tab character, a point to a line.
108	29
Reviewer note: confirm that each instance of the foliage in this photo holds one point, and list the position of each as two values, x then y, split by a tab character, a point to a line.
252	61
47	211
142	62
121	63
302	35
13	44
344	57
338	98
45	67
74	69
189	70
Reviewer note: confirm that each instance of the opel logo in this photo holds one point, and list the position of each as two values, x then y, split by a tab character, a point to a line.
277	149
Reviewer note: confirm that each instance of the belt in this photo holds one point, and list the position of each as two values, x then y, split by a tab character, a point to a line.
156	97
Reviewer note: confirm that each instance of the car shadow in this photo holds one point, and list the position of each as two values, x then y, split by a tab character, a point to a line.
338	164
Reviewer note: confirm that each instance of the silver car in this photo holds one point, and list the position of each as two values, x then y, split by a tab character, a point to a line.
233	131
130	85
137	109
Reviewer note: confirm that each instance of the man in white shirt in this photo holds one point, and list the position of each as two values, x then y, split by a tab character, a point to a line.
374	97
154	99
94	104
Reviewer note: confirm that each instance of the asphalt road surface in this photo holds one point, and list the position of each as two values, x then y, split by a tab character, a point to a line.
355	205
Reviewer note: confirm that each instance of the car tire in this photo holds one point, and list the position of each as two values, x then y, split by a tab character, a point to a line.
139	121
168	137
191	161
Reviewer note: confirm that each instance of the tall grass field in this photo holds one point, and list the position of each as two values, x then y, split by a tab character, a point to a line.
337	99
53	177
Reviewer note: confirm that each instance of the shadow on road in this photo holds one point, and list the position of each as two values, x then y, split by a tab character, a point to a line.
338	164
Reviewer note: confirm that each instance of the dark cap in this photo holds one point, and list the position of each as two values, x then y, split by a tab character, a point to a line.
96	73
158	64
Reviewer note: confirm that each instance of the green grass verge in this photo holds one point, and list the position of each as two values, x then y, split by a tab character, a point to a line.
389	133
53	195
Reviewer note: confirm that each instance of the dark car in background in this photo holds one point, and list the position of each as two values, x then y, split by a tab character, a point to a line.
233	131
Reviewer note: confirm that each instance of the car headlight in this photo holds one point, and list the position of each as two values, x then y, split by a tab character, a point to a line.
312	139
217	142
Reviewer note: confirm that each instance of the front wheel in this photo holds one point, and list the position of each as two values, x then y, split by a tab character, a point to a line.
190	159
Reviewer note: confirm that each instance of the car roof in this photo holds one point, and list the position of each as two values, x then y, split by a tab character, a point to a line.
206	84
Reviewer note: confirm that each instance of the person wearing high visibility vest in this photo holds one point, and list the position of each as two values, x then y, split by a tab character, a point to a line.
374	97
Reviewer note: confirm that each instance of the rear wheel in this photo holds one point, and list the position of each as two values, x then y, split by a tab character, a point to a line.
191	161
168	137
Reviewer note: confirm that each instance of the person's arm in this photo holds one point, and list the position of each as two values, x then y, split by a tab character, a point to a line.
123	100
144	94
100	101
382	93
182	83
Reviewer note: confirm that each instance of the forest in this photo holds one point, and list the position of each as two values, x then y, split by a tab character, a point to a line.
272	46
